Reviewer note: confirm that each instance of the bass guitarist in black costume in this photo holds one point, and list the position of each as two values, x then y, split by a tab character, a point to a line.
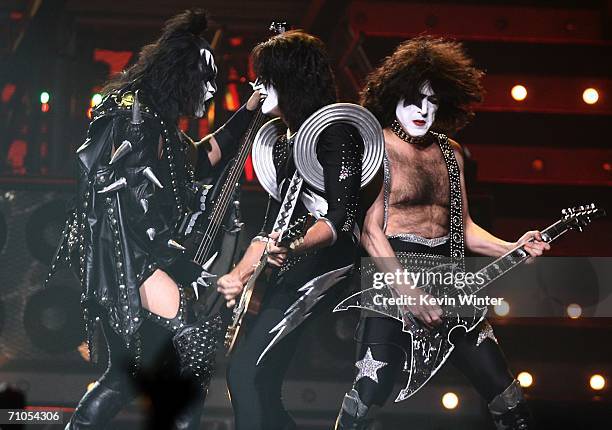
424	89
135	185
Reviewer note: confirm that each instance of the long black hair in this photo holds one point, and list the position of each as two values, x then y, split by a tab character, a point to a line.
297	65
169	67
452	75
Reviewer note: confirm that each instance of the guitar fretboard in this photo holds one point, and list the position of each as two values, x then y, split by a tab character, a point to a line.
512	259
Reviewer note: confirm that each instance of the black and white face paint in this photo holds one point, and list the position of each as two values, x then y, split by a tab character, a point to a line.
209	86
418	113
270	104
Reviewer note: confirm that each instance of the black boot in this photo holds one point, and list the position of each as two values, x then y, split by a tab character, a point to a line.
96	408
353	413
509	410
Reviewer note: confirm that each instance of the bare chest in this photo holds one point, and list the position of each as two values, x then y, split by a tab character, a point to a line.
419	177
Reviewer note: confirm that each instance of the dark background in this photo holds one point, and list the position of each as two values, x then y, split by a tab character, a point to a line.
530	159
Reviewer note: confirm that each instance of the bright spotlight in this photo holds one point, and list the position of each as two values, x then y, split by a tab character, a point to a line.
590	96
597	382
96	99
45	97
525	379
519	93
502	309
574	311
450	400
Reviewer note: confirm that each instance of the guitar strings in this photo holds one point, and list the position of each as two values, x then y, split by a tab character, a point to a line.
227	191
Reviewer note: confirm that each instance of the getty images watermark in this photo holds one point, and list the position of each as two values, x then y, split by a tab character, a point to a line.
549	287
442	288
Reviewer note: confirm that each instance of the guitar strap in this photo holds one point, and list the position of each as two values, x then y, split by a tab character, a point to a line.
456	234
455	219
289	202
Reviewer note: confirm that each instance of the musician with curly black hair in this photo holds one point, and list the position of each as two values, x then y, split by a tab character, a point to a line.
425	90
135	185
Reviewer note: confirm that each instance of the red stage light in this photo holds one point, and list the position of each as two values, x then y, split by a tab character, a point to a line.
183	123
45	107
249	172
235	41
537	165
232	99
8	91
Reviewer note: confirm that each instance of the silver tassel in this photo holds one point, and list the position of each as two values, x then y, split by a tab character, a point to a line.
115	186
148	172
136	114
124	148
151	233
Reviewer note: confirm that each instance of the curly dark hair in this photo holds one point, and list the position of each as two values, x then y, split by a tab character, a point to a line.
451	73
298	67
169	67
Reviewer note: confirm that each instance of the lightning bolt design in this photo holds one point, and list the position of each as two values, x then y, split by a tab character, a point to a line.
313	291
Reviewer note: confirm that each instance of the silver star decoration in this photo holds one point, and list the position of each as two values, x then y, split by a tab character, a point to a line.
368	367
486	332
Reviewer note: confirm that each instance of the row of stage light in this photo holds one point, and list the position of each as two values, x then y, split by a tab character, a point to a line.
590	95
450	400
518	92
573	310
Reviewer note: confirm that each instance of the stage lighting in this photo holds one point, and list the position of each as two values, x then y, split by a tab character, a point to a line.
574	311
96	99
590	96
502	309
45	97
597	382
90	386
519	93
450	400
525	379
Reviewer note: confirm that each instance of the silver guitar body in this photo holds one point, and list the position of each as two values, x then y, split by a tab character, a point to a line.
430	348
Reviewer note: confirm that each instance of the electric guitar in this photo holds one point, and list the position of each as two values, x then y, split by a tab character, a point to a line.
249	304
431	347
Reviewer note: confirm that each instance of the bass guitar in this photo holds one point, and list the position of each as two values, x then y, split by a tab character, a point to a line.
200	232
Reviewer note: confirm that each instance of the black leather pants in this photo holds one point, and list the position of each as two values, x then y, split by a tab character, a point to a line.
176	402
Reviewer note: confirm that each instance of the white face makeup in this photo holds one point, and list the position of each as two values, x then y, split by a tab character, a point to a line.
270	104
416	116
209	87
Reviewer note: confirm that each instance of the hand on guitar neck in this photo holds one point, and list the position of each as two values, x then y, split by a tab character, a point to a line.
232	284
533	243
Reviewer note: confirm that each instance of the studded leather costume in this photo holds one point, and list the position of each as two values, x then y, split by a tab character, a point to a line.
134	186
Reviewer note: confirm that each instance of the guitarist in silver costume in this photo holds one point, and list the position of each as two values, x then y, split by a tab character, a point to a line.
298	81
420	93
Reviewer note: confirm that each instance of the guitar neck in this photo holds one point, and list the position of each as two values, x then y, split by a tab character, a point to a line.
510	260
224	199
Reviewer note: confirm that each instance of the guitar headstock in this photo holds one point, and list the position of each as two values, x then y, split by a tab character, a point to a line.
578	217
279	27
